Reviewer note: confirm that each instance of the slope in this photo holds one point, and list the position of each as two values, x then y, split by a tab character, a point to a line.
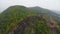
46	12
11	16
22	20
35	25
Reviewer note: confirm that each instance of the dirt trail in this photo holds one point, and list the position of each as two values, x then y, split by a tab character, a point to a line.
21	26
19	29
53	25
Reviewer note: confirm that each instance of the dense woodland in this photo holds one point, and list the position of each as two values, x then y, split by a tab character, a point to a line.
29	20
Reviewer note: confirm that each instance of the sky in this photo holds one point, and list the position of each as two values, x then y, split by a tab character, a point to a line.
48	4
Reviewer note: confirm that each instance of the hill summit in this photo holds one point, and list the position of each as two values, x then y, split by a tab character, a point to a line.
23	20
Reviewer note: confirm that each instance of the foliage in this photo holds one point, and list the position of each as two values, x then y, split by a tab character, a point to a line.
14	14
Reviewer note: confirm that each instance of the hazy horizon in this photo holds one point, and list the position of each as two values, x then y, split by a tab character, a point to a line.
48	4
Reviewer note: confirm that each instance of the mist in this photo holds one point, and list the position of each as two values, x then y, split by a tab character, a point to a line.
48	4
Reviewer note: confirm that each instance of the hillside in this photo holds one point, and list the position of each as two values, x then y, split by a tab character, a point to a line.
47	12
11	16
22	20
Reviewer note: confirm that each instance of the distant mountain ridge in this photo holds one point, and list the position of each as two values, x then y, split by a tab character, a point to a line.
58	12
49	13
